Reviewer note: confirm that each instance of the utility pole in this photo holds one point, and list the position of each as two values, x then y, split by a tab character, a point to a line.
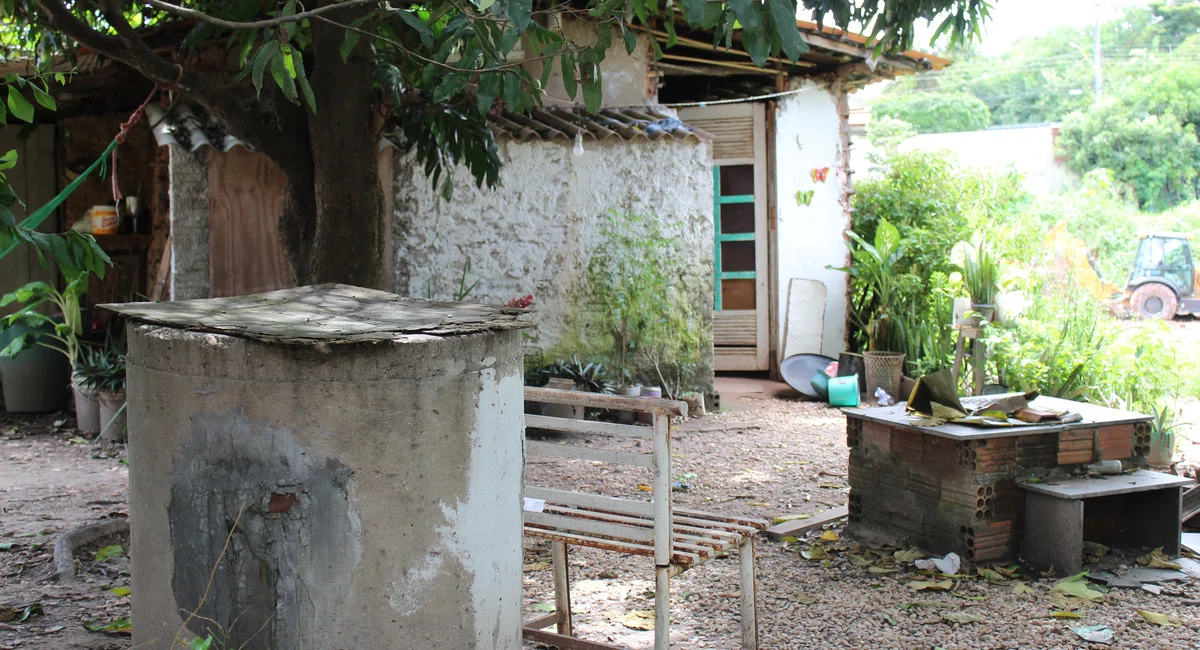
1099	81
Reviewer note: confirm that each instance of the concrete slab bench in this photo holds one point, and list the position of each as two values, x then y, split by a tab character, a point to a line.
1140	509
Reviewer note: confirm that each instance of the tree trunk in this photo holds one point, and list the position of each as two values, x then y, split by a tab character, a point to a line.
338	232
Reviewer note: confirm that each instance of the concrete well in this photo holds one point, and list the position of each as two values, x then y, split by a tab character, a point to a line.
325	468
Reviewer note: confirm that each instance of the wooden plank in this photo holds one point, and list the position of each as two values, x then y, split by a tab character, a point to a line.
718	536
581	525
597	501
1089	488
798	527
600	400
247	256
587	453
164	272
1191	504
587	426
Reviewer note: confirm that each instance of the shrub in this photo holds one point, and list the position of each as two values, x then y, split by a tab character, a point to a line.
935	112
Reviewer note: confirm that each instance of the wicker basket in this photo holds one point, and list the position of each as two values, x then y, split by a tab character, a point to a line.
884	370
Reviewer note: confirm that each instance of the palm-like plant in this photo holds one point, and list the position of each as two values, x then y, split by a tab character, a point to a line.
66	334
875	265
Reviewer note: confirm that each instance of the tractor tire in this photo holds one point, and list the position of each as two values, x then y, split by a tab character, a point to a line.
1154	300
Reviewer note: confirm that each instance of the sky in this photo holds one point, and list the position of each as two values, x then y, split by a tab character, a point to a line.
1013	20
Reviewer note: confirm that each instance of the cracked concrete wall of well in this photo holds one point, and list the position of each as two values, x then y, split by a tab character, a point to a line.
535	234
376	490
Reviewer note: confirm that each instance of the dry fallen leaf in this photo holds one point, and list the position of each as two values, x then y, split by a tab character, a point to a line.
535	566
1160	619
1021	588
802	598
638	619
829	536
930	585
909	556
787	518
815	552
1065	614
1156	560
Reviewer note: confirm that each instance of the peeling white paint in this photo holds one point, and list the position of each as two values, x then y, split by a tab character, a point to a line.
810	236
492	511
407	594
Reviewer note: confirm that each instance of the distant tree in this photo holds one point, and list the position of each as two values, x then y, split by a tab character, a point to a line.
935	112
1154	154
886	134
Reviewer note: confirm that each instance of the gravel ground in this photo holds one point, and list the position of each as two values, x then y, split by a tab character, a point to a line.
789	457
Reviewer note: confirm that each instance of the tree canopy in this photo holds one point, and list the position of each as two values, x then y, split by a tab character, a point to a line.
310	77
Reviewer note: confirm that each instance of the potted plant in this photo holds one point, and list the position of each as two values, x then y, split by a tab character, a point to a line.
876	266
981	278
576	375
29	327
85	385
101	374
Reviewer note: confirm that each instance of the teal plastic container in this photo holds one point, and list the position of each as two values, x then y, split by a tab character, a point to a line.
843	391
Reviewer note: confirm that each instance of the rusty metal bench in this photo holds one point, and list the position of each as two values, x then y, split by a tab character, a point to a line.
677	539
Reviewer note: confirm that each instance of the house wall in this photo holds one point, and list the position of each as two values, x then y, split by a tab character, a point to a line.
33	181
808	134
535	234
1030	149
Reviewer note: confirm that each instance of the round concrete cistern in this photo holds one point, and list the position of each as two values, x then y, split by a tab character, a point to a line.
325	467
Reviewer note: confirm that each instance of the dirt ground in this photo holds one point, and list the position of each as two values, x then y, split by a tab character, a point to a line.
52	481
770	455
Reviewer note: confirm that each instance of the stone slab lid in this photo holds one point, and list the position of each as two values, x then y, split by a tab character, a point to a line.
323	313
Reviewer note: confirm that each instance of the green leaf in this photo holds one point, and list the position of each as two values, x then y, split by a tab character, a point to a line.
630	42
412	20
9	159
120	591
484	5
519	12
289	63
43	98
489	85
19	106
289	9
450	86
201	644
110	552
693	11
568	74
261	59
783	14
512	91
887	238
590	78
305	88
283	79
60	78
351	38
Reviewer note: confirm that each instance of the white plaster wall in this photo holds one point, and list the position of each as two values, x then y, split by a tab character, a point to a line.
1029	149
811	236
536	233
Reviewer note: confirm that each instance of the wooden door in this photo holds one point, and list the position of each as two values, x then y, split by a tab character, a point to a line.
740	294
246	254
34	180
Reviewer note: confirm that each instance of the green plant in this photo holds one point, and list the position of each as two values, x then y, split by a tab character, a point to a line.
637	280
590	377
102	368
66	332
874	266
980	271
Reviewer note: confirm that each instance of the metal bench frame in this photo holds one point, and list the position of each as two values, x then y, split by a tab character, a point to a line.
676	539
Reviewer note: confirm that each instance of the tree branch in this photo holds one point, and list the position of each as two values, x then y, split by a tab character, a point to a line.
258	24
129	49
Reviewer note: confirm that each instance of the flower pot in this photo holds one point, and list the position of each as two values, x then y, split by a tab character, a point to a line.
112	417
87	410
628	417
884	370
1009	306
961	307
652	392
563	410
38	380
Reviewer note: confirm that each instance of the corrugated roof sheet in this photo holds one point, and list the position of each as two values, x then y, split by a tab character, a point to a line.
565	122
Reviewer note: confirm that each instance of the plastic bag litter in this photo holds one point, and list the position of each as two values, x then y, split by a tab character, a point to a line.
948	565
882	398
1095	634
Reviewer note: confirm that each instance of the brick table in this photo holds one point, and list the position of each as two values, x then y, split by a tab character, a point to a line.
954	488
